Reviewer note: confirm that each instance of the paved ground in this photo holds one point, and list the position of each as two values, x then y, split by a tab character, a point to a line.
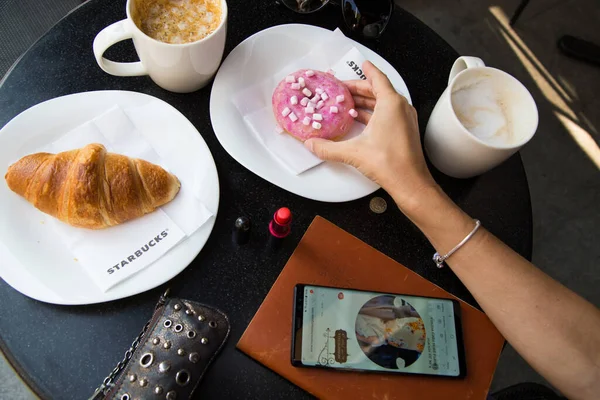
562	161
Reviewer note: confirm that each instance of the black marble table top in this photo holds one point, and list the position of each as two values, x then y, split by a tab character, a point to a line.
64	352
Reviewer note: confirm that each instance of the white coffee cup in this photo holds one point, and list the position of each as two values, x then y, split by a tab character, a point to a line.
458	151
180	68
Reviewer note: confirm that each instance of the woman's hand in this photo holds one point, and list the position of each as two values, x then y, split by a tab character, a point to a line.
389	150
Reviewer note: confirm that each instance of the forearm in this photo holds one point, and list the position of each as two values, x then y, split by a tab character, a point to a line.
555	330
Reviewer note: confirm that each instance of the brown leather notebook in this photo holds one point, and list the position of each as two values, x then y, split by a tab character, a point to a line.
329	256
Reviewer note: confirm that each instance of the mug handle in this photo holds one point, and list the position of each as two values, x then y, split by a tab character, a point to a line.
109	36
463	63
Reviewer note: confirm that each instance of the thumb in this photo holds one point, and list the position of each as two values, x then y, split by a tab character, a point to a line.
326	149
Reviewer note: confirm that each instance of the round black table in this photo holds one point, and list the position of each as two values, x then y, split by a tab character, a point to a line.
65	352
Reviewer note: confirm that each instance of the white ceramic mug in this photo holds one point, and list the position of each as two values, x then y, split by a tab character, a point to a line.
454	150
180	68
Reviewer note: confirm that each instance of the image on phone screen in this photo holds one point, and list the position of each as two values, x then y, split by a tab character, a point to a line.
370	331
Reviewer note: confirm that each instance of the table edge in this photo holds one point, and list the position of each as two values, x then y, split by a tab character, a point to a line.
21	373
43	35
528	250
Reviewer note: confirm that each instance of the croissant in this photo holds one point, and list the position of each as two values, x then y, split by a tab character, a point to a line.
91	188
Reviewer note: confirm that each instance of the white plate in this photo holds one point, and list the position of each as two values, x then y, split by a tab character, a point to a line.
253	60
32	260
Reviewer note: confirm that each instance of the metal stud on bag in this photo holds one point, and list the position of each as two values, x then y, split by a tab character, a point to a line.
164	367
158	373
182	378
146	360
172	395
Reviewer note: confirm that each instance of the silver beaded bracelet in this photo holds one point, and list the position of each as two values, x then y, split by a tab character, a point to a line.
439	260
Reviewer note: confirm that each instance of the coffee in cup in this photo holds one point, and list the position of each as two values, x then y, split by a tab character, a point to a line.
481	105
177	21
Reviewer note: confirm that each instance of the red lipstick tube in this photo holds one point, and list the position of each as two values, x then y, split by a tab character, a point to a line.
280	225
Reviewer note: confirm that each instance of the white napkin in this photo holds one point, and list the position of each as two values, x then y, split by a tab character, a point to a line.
112	255
254	103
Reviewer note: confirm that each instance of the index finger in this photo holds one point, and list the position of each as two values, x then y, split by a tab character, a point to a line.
379	81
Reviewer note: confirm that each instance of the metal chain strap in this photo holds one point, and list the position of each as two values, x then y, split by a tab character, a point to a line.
109	381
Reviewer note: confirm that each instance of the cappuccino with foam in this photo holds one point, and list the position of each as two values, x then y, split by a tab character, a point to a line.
482	107
177	21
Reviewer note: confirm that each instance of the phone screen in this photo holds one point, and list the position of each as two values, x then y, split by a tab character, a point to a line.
371	331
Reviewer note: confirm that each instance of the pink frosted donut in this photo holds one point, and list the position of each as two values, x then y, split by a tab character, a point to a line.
330	119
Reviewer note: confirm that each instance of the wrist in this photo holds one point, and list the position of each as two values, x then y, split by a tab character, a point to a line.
415	201
437	216
428	207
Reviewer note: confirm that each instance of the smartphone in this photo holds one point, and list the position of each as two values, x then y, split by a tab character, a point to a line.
376	332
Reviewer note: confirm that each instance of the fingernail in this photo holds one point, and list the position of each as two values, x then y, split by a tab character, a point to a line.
309	145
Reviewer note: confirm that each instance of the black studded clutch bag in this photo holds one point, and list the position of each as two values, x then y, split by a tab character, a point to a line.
169	357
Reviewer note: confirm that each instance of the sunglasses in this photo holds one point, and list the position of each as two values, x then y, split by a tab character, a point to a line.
367	18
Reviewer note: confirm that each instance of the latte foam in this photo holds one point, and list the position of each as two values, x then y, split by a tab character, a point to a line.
482	108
